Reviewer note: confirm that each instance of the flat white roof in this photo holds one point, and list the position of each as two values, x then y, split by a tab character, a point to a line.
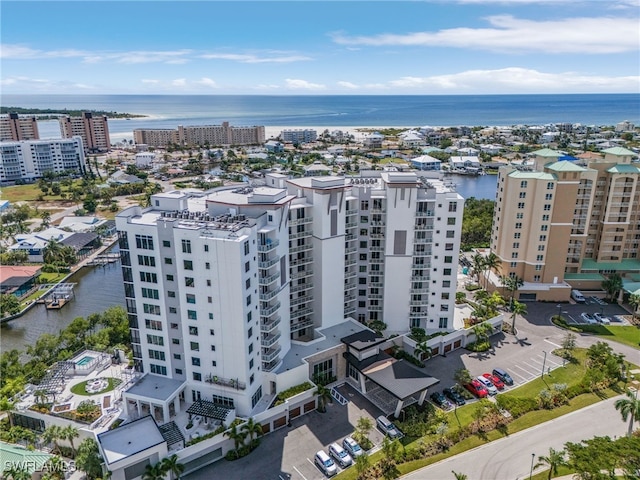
129	439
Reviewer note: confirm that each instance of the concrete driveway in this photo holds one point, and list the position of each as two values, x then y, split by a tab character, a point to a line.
287	453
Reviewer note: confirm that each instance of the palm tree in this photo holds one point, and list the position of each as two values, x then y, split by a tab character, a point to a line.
492	263
17	473
459	476
629	407
517	309
6	406
478	265
462	376
172	466
612	285
252	427
482	331
324	397
634	301
154	472
237	436
512	285
422	350
554	460
69	433
52	434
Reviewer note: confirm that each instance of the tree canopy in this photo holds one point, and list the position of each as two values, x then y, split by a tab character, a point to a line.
476	223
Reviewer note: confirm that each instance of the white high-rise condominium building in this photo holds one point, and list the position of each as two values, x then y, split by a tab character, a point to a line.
219	285
31	159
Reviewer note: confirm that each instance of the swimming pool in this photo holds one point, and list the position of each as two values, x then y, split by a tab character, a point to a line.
84	360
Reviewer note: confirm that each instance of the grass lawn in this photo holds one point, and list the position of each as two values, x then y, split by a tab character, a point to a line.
629	335
79	389
51	277
21	193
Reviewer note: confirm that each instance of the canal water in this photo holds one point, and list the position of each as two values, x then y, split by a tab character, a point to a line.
98	288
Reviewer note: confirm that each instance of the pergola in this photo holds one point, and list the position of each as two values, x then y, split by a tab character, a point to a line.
208	409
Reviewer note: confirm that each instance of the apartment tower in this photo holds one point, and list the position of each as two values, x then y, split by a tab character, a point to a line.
564	224
94	131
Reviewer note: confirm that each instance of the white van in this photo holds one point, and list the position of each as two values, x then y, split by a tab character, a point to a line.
578	297
387	427
324	463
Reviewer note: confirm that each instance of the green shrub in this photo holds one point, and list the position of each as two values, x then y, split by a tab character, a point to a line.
479	346
291	392
516	406
472	287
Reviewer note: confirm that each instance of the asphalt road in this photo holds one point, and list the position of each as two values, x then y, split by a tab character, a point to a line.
510	458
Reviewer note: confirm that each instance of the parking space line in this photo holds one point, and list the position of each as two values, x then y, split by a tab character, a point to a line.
527	371
535	367
554	344
300	473
518	375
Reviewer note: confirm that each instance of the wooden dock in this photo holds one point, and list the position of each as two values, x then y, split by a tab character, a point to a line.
56	304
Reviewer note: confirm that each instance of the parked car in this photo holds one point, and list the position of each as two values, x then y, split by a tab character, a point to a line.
340	455
599	301
588	318
353	447
499	384
486	383
600	318
440	400
324	463
578	297
503	375
387	427
475	387
454	396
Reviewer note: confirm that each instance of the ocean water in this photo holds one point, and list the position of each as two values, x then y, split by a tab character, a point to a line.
169	111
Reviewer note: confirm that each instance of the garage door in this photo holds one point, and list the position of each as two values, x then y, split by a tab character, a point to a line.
528	297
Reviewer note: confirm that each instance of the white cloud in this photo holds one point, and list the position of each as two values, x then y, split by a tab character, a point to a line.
517	80
150	81
249	58
150	56
509	34
207	82
179	82
297	84
349	85
264	86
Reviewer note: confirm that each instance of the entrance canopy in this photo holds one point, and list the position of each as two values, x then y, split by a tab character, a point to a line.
398	377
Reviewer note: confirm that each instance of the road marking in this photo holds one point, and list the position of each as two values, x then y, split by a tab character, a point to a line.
535	367
527	371
554	344
299	473
280	476
518	375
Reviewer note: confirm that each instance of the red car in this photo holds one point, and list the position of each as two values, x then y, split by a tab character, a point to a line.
476	388
499	384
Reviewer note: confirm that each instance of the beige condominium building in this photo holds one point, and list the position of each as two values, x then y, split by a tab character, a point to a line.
16	128
212	135
566	224
93	129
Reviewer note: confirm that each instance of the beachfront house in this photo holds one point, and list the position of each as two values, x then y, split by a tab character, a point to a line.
426	162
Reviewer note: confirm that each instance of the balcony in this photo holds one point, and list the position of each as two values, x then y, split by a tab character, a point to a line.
226	382
300	221
301	261
270	354
349	298
375	308
376	260
350	250
375	296
417	314
266	296
350	273
423	227
349	310
428	213
419	290
306	233
269	326
300	287
300	248
352	212
349	286
348	263
424	301
422	253
268	340
377	248
300	313
269	279
376	284
300	274
268	311
297	326
268	245
421	278
268	263
350	224
420	266
300	300
269	366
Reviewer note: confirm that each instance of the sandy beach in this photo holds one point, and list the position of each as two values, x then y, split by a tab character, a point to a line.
358	132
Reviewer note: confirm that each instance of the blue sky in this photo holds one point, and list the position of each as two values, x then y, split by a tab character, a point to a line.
310	47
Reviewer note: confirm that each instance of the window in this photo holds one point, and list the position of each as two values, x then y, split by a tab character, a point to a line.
153	324
249	317
541	248
538	268
536	278
213	348
191	298
513	264
246	267
146	260
548	196
189	281
448	259
323	370
446	271
144	242
174	326
547	207
448	247
212	331
177	356
453	207
186	246
208	282
197	376
158	369
450	234
169	278
543	238
251	348
171	294
550	186
519	216
168	261
195	346
544	228
206	248
250	332
516	244
151	309
156	355
178	371
514	254
250	364
166	243
192	315
173	310
207	265
188	265
443	322
516	235
451	221
148	277
523	184
518	225
247	284
248	299
175	341
155	340
150	293
520	205
446	283
223	401
523	194
545	218
539	258
195	361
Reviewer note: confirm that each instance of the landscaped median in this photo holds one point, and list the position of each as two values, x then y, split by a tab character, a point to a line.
589	376
628	335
